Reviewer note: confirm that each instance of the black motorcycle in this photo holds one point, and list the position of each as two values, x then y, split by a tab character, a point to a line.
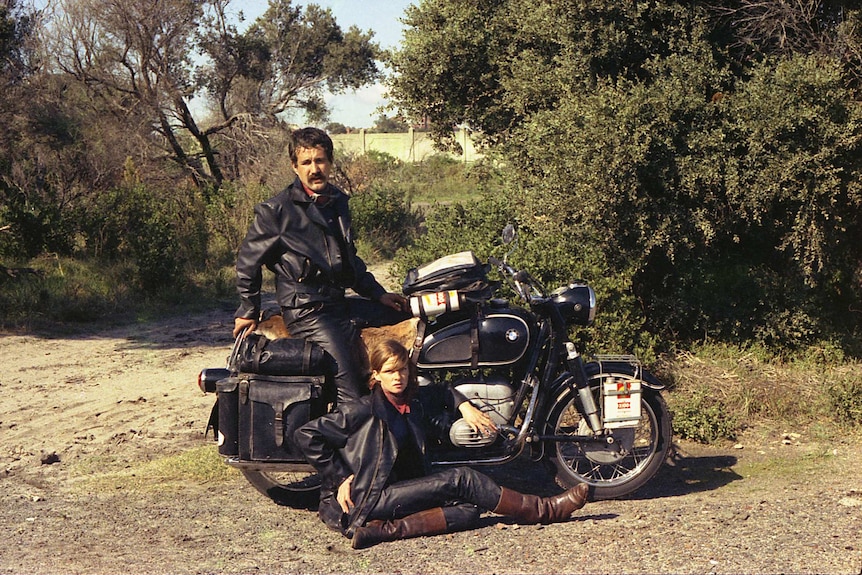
601	422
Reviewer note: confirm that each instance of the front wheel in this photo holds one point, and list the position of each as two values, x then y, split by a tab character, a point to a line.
611	469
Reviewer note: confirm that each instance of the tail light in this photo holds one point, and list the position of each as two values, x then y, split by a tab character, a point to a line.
207	378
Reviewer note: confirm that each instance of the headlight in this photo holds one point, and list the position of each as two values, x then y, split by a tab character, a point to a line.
576	302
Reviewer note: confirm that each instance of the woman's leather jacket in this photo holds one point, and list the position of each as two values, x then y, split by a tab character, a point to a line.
291	237
355	440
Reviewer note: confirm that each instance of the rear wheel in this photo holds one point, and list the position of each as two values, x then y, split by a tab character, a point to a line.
294	488
611	468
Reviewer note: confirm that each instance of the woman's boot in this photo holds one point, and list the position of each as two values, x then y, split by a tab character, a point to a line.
430	522
531	509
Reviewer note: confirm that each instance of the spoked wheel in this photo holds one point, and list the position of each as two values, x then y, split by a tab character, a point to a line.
611	468
298	487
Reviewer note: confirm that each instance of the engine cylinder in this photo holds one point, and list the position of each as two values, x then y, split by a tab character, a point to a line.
494	396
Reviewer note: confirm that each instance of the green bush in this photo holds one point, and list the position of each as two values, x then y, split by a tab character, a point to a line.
229	211
354	173
703	418
33	225
67	290
162	232
457	227
384	220
845	399
732	217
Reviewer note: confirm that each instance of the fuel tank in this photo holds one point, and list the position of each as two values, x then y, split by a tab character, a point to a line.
504	334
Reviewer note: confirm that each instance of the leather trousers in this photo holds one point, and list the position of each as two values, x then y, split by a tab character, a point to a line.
329	326
332	325
462	492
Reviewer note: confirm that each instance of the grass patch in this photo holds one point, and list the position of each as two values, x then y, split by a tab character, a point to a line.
436	179
201	465
66	296
784	464
719	391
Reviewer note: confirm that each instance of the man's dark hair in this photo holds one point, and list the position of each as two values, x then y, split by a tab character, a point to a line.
309	138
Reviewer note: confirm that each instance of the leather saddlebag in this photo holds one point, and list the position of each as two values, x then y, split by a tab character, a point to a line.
228	416
271	408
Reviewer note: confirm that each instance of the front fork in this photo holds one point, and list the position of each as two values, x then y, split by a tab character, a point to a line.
575	365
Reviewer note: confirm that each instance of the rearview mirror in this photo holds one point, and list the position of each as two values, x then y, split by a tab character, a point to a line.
509	234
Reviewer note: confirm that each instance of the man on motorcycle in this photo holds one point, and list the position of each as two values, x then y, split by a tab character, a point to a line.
304	236
376	484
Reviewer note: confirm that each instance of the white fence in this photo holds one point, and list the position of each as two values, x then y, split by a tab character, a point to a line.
411	146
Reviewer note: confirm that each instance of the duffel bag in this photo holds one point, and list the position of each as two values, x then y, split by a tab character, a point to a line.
461	272
283	356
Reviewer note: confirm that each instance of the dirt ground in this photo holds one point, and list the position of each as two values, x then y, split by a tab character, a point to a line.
94	428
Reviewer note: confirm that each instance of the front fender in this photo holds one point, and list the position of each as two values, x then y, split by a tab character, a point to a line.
595	368
565	384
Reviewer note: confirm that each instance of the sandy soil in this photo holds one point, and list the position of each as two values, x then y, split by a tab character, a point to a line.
85	419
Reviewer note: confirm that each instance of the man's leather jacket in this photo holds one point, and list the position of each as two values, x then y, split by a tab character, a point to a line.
290	236
355	440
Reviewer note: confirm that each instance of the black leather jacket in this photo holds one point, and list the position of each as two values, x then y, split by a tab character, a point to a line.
290	237
356	440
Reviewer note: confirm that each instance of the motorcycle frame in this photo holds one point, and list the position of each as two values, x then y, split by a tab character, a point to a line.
550	388
552	329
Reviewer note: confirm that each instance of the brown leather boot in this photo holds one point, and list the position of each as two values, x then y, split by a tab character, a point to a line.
532	509
430	522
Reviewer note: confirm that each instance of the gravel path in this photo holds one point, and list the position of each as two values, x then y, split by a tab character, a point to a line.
84	420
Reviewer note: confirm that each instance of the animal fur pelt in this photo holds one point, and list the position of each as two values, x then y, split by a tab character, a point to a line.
272	327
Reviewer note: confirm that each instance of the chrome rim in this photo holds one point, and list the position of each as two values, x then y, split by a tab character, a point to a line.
603	464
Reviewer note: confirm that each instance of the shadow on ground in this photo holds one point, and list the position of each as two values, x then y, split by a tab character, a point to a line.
682	474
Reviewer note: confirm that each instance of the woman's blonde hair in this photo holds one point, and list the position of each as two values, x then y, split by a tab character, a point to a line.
386	350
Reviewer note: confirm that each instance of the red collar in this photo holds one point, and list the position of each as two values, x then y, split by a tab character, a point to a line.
400	404
321	199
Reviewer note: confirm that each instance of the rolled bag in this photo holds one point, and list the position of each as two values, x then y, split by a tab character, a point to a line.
283	356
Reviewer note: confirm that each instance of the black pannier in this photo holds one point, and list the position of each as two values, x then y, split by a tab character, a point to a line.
271	408
227	430
462	272
257	354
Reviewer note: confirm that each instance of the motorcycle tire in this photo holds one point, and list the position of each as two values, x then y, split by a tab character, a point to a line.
609	472
297	489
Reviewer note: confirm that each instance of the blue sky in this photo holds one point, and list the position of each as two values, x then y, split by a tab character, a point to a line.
357	109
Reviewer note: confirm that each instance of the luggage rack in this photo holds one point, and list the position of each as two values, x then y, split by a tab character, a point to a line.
619	358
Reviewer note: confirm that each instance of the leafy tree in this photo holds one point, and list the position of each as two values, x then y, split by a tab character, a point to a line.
337	128
446	70
386	125
18	61
482	63
16	24
138	53
703	196
307	52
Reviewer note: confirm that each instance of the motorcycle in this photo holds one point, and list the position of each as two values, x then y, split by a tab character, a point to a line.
602	422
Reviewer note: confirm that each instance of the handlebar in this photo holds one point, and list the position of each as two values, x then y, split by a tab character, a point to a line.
521	280
497	263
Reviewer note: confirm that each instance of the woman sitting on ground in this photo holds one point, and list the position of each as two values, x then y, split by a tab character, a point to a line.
376	480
